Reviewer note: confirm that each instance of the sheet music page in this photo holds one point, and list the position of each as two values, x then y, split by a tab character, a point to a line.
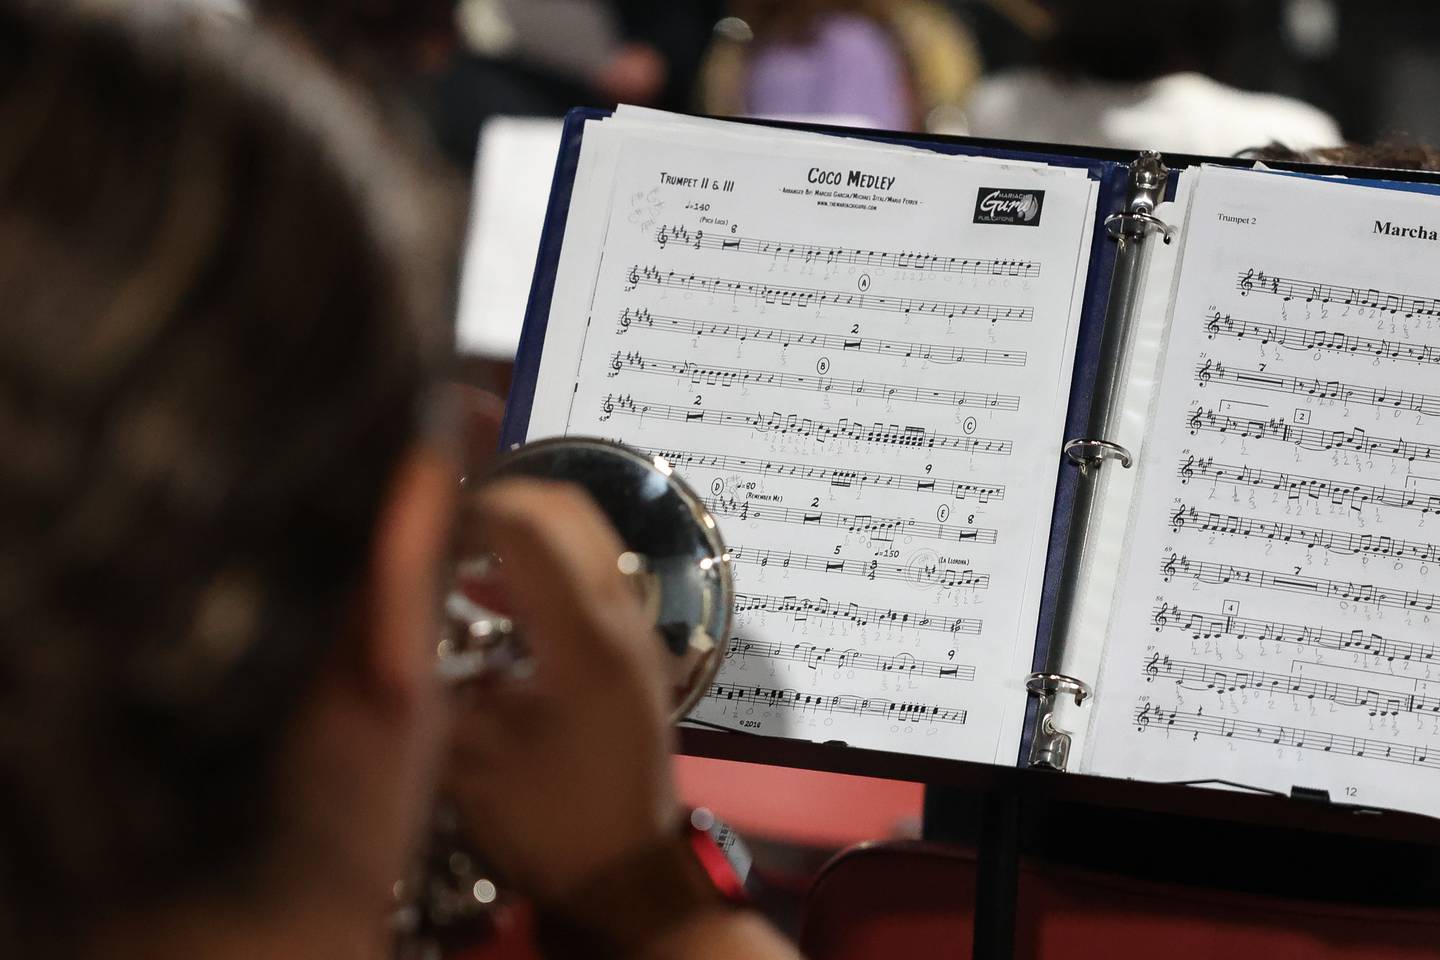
867	387
1277	625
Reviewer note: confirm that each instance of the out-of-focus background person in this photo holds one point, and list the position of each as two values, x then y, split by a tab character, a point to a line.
228	475
1116	76
890	64
541	57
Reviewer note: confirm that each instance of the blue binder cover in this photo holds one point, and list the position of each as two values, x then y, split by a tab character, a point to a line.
1105	167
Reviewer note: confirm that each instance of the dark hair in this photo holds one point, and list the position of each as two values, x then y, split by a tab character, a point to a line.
1397	153
217	326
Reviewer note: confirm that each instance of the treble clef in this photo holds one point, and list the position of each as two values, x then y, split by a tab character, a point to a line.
1194	422
1168	571
1187	472
1161	618
1212	328
1178	519
662	236
634	278
1205	373
1247	282
608	407
616	364
1142	719
625	320
1152	668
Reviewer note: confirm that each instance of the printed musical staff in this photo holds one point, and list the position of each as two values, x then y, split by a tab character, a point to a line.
809	253
1252	281
816	657
1197	724
1336	541
641	317
1281	551
877	528
801	609
1381	596
839	477
920	573
1295	486
782	424
798	702
1211	371
1312	438
712	375
1300	338
905	406
1227	680
805	297
1211	626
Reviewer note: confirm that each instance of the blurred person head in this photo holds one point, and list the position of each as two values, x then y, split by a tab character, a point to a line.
1125	42
220	521
939	58
796	21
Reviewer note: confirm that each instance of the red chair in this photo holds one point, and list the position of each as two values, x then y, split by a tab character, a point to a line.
881	901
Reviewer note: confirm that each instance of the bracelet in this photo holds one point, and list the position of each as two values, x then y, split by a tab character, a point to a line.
625	908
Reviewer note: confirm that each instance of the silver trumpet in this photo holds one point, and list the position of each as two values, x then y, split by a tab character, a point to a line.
679	564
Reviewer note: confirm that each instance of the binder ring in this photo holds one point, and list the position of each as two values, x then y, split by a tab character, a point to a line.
1093	453
1054	684
1120	225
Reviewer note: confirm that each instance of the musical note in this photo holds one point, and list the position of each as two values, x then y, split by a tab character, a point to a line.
803	608
1320	587
805	297
1306	340
1208	626
815	657
1337	541
924	573
1168	721
782	424
837	477
798	702
1312	438
713	375
1224	680
878	528
809	253
786	338
1319	489
1313	292
1211	371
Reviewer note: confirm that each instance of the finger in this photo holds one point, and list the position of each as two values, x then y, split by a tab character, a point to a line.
550	529
559	570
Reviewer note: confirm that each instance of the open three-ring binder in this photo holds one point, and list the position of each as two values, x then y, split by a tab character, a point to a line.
1119	464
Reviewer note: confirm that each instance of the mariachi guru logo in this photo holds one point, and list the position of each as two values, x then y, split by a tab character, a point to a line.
1011	208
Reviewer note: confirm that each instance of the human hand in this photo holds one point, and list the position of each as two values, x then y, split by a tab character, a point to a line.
557	776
